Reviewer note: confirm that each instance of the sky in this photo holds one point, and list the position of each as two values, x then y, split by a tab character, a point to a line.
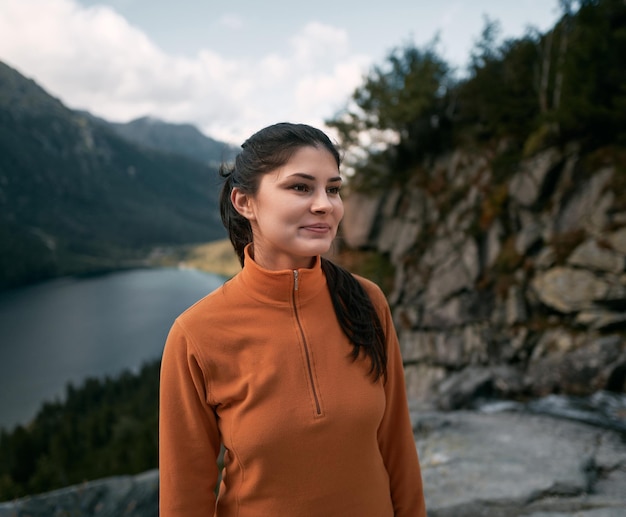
233	67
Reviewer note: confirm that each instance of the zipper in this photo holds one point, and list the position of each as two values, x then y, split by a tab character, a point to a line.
318	407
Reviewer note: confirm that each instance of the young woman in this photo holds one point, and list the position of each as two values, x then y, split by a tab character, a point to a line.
293	365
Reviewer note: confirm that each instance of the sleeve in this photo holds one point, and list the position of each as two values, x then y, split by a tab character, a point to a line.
395	434
189	440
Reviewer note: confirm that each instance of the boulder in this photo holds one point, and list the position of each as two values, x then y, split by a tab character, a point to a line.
578	368
456	267
577	212
453	348
590	255
529	233
465	308
463	389
512	464
527	185
569	290
618	239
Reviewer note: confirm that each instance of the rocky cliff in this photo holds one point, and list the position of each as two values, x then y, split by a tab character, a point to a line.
510	276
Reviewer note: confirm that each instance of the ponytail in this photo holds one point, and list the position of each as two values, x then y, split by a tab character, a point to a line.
357	318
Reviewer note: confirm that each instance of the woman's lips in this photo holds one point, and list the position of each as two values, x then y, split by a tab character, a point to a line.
317	228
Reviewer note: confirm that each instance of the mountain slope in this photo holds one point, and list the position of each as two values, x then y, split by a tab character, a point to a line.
76	197
183	139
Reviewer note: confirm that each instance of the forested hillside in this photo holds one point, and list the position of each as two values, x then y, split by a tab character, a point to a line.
77	197
102	428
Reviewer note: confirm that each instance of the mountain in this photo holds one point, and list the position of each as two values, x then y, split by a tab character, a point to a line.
183	139
77	197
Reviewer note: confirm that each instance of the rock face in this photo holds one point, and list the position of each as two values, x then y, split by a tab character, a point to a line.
509	464
509	284
123	496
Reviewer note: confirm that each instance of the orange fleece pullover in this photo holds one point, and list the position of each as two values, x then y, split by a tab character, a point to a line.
262	366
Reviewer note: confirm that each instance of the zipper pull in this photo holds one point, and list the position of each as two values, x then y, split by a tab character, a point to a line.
295	280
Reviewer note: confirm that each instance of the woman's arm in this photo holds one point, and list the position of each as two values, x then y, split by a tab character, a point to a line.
189	440
395	434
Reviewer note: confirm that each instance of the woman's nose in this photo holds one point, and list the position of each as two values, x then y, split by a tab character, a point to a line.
321	203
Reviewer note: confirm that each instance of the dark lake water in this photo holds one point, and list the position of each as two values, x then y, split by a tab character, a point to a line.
69	329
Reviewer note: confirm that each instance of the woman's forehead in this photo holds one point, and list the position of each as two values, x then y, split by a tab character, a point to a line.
314	162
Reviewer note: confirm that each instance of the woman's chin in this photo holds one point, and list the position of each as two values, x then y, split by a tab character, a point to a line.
319	248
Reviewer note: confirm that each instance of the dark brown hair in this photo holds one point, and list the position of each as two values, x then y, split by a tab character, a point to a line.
265	151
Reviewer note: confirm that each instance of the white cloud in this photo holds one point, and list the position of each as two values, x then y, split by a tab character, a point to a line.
93	59
317	94
319	44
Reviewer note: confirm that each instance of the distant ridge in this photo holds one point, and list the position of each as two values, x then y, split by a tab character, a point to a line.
77	197
184	139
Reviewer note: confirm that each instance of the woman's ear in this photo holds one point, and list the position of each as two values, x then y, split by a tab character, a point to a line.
242	203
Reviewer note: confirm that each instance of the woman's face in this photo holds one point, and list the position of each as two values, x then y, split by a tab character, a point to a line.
296	210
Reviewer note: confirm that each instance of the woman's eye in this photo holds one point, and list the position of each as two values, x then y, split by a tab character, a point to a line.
301	187
333	190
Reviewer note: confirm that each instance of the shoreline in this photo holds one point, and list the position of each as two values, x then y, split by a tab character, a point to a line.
215	257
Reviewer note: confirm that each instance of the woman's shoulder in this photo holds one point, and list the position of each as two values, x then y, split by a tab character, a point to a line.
372	289
211	305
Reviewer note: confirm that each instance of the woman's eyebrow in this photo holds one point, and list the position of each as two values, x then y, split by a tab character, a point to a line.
306	176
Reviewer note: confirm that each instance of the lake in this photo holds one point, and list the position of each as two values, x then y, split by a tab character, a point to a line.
72	328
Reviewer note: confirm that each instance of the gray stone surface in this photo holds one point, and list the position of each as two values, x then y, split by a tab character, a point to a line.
529	233
579	210
569	290
591	255
453	272
511	463
526	186
120	496
618	239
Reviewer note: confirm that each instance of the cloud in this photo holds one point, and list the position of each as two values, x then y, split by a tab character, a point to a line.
318	44
317	94
93	59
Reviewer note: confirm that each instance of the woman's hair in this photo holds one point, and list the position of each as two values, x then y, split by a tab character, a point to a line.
265	151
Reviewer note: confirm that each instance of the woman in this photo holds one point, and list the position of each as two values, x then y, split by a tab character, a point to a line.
293	365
